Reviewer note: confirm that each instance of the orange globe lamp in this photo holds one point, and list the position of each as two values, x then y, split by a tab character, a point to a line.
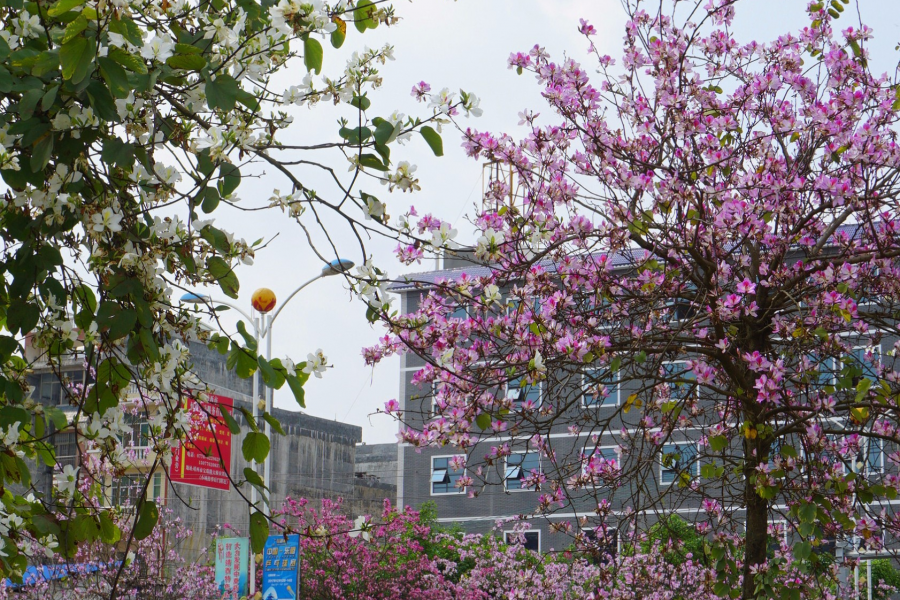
263	300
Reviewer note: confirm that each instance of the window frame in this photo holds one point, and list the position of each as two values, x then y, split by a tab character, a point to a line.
523	475
695	464
600	447
516	405
695	388
510	532
615	385
451	483
592	530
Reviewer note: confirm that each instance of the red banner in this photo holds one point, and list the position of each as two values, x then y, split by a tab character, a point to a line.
204	458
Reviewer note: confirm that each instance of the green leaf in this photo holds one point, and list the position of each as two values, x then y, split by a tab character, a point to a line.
102	101
187	49
222	92
109	531
312	55
802	550
259	531
74	29
386	132
72	56
372	162
117	320
230	178
63	6
276	425
117	152
340	34
211	199
224	274
271	377
255	447
483	421
297	389
230	421
127	60
188	62
718	443
253	477
249	340
808	512
128	29
433	138
57	417
362	16
146	520
22	316
361	102
42	152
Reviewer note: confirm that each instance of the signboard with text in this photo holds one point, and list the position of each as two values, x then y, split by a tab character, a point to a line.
232	567
204	459
281	568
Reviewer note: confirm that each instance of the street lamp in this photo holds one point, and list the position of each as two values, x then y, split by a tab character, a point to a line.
262	328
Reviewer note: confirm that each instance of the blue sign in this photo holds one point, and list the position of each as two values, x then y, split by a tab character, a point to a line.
281	568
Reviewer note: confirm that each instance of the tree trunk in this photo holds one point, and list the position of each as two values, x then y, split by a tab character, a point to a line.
757	535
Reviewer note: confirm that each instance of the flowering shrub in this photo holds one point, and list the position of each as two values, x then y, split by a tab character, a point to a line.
155	569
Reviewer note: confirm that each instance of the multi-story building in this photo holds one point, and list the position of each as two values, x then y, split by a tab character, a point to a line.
315	459
503	489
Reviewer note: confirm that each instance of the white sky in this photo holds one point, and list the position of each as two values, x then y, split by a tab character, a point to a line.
448	44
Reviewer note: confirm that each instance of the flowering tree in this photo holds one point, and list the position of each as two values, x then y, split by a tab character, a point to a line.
155	569
695	263
124	125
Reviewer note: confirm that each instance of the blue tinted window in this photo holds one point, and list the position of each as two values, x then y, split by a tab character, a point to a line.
595	381
520	392
678	458
520	466
679	380
443	477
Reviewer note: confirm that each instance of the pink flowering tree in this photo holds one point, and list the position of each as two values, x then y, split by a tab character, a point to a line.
695	261
156	568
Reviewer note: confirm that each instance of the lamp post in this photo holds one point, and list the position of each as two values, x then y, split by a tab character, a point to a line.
264	302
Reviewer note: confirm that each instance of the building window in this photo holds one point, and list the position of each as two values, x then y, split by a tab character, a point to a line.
778	535
678	459
679	380
870	458
603	549
66	446
679	310
530	540
599	389
444	476
139	434
157	487
126	490
51	388
520	466
520	392
858	367
597	459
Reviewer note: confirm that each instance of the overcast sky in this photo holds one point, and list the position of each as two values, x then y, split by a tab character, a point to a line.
461	44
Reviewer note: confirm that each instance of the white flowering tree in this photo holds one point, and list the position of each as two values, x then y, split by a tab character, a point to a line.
125	123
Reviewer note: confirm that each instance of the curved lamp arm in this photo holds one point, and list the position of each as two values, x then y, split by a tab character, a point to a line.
198	299
268	326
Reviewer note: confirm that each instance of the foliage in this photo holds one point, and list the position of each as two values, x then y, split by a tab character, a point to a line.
124	126
694	261
678	534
